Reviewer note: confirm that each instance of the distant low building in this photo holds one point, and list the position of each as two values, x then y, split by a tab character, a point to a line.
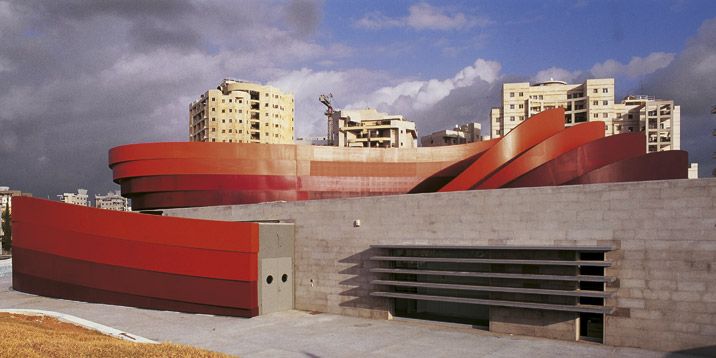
461	134
112	201
372	129
79	198
312	140
6	196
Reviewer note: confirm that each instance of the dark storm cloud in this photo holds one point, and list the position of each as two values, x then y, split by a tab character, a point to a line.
80	77
689	80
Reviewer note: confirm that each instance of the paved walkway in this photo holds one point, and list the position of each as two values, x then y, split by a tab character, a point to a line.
301	334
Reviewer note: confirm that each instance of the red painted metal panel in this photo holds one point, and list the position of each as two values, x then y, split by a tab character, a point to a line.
96	255
192	261
208	291
545	151
523	137
49	288
672	164
583	159
205	234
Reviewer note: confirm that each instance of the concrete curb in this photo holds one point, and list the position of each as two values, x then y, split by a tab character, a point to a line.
83	323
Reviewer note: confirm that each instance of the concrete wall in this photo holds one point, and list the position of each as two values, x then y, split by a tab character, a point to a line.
666	264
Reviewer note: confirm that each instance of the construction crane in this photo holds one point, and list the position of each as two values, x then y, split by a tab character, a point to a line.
326	100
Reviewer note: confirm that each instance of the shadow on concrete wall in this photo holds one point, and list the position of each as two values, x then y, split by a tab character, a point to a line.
358	296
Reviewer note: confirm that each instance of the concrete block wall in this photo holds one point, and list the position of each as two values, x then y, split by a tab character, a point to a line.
666	264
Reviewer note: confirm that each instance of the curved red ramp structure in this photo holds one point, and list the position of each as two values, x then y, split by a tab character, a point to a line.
94	255
523	137
168	175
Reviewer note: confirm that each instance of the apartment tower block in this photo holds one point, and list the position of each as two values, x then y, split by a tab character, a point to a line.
242	112
592	100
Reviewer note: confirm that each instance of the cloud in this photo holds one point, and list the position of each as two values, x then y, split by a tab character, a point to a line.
688	80
637	66
556	73
419	95
423	16
81	77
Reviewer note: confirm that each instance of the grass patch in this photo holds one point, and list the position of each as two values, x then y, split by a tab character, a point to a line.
42	336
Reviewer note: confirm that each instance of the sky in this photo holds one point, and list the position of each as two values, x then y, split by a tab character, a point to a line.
80	77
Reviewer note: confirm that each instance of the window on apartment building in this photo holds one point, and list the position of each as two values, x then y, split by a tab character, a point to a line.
230	110
630	129
512	106
230	120
223	121
223	101
512	118
213	129
265	104
230	131
213	139
521	106
619	127
595	103
230	140
605	90
606	127
522	118
213	99
241	121
230	100
241	111
605	115
241	101
266	124
595	115
213	109
522	94
223	131
541	97
213	119
223	111
595	90
512	94
605	103
630	116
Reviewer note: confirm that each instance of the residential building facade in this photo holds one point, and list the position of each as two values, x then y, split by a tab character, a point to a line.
79	198
461	134
112	201
242	112
592	100
372	129
6	195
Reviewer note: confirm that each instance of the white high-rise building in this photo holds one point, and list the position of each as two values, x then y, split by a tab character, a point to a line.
80	198
592	100
112	201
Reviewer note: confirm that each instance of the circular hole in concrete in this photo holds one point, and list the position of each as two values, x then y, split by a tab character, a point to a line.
269	279
284	278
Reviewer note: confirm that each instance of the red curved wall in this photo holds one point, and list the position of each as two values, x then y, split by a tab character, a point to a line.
538	152
75	252
166	175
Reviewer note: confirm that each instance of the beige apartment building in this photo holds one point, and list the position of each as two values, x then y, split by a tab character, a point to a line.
112	201
242	112
372	129
79	198
461	134
6	195
592	100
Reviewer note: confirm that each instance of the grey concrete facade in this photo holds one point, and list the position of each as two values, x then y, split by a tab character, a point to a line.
665	231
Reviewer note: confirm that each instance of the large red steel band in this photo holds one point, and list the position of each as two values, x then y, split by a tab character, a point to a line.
76	252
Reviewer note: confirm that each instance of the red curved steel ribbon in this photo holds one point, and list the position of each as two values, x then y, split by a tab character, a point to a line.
523	137
545	151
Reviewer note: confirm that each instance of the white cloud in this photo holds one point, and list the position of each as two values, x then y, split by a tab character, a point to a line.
420	95
556	73
423	16
637	66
